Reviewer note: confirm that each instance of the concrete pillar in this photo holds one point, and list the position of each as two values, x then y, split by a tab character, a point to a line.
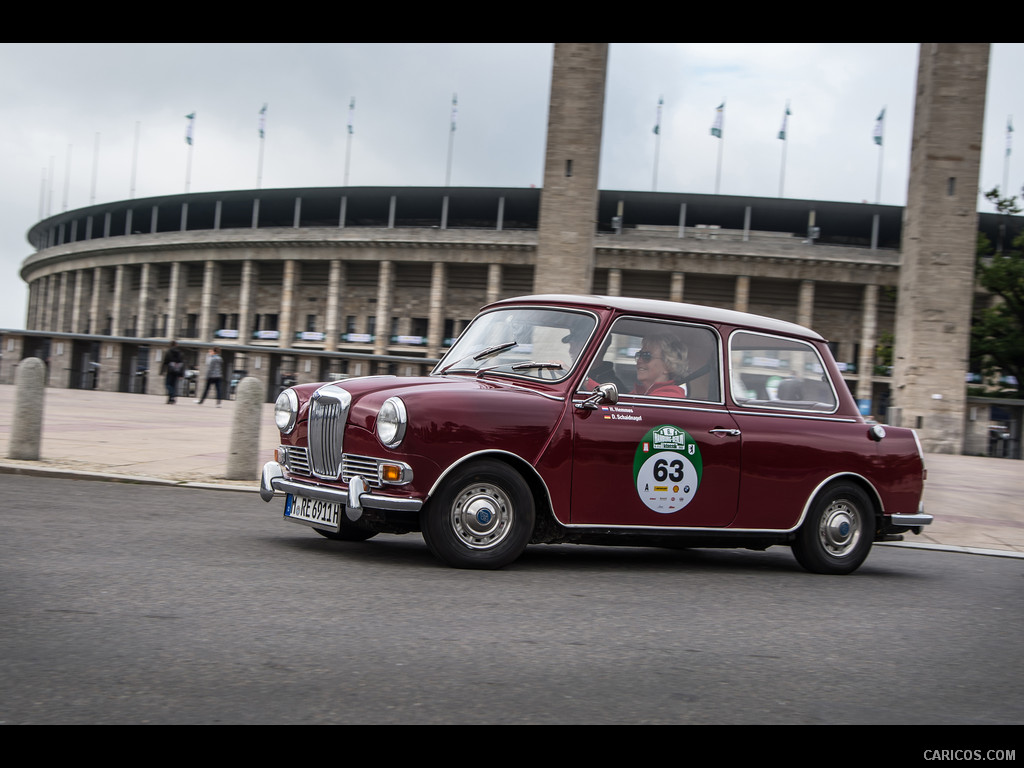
742	301
243	451
676	288
62	303
868	339
435	321
174	300
287	303
246	302
144	309
933	312
115	310
384	284
76	301
27	420
568	205
614	282
335	290
493	282
209	302
94	300
805	308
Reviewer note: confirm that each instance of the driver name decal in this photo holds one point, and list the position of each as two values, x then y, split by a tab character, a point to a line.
667	468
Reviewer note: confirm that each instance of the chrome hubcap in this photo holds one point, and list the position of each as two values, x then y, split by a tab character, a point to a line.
840	528
482	516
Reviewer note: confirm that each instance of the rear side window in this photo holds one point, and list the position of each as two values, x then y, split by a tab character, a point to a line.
775	372
659	360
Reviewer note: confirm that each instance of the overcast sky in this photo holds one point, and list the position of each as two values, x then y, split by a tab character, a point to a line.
56	99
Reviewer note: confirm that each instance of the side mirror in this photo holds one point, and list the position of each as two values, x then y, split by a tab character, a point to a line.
603	393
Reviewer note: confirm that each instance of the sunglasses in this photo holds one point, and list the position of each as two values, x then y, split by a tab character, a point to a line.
645	357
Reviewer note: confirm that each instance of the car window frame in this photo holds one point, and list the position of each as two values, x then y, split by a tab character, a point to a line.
754	405
682	401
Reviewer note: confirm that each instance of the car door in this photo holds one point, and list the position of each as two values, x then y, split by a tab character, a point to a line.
667	454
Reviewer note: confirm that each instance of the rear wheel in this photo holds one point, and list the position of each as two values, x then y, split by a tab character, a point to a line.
482	518
837	534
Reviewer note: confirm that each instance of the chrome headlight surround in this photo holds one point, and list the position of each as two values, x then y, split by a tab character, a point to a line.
392	419
286	411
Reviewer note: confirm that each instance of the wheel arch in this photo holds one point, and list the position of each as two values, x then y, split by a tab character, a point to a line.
859	480
541	495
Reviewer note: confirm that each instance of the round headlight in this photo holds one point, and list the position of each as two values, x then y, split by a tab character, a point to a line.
286	410
391	421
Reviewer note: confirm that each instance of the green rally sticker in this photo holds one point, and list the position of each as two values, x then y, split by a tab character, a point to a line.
667	469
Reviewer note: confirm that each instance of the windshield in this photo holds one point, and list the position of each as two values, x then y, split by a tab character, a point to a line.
530	342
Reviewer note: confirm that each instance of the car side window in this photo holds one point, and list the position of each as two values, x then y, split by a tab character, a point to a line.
774	372
658	359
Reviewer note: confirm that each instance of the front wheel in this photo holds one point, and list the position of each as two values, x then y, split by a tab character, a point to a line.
837	534
482	518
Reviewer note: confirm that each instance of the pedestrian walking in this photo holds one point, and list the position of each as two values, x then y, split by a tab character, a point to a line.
214	375
173	367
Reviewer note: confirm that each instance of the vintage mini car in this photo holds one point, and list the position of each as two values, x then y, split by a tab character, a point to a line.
603	420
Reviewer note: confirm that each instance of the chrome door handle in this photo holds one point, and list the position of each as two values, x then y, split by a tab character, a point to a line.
724	431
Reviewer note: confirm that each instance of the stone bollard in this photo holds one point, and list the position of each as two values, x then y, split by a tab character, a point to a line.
27	425
243	453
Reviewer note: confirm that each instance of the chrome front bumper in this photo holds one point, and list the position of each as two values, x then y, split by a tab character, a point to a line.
913	521
354	498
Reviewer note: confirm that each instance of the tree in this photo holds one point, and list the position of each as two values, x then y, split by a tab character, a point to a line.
997	334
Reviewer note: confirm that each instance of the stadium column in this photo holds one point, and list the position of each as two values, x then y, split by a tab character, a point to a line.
493	282
76	301
676	289
62	303
940	225
174	300
568	205
142	325
383	324
208	304
742	297
868	337
245	301
288	282
334	291
116	328
805	308
94	300
614	282
435	323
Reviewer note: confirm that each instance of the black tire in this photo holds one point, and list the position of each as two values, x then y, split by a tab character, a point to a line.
482	518
347	533
836	537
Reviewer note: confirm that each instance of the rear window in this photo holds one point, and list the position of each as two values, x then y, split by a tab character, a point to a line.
775	372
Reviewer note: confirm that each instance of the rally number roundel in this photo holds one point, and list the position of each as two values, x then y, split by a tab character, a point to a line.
667	469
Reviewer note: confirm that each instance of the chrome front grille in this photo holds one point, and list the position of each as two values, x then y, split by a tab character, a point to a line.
328	412
364	466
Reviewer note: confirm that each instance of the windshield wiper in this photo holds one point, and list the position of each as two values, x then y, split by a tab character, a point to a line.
483	354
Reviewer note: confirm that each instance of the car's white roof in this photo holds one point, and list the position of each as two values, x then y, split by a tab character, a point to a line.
670	309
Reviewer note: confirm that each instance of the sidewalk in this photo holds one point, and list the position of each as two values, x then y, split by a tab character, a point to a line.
978	503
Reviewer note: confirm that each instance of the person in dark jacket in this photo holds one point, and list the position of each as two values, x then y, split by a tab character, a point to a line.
173	369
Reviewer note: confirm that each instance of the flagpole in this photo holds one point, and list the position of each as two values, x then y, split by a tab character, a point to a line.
188	140
67	181
783	136
879	133
348	143
657	145
259	164
95	168
1006	157
718	130
135	161
451	141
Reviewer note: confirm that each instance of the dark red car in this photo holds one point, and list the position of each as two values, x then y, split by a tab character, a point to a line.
603	420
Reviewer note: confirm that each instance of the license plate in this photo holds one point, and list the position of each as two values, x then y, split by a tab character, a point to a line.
323	514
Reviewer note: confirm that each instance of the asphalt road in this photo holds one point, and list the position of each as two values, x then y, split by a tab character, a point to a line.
136	604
